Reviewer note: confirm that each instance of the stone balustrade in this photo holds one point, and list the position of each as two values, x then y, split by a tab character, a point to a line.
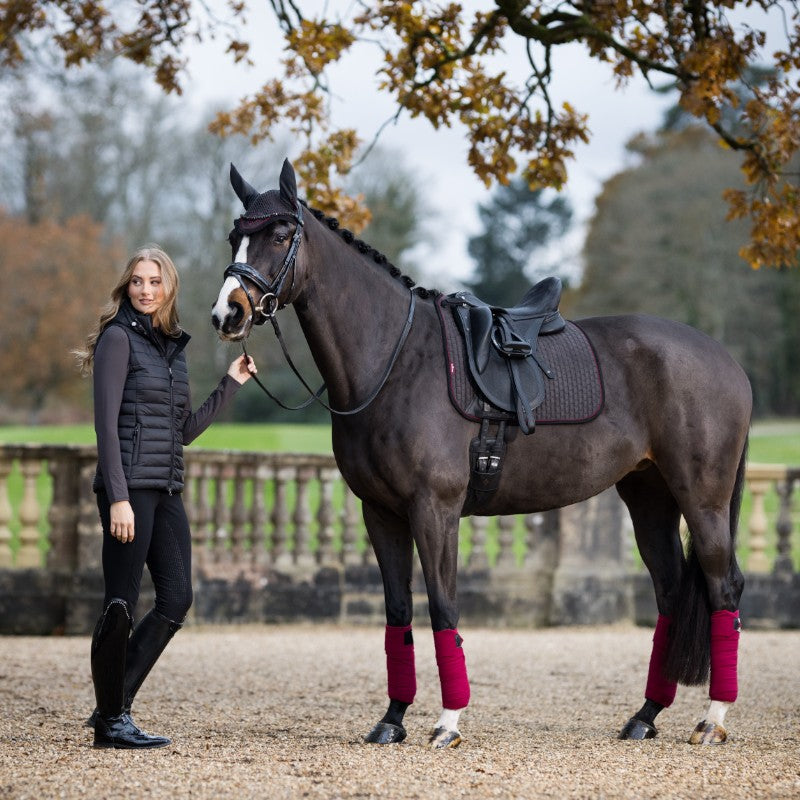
290	511
269	519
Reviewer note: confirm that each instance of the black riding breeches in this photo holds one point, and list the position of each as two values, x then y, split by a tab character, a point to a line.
162	540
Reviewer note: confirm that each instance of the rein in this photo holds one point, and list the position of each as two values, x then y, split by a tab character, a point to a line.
316	396
261	313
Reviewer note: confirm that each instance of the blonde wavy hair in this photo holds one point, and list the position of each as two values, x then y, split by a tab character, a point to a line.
165	318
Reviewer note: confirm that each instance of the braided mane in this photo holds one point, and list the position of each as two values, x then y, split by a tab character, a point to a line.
369	251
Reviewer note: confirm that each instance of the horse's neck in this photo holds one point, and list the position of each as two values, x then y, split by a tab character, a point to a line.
352	314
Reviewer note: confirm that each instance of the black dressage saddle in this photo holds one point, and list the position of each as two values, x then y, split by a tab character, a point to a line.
501	347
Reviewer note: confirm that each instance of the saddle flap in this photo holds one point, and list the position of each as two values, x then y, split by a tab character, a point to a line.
481	323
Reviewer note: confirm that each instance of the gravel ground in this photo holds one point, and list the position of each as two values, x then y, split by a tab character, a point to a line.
279	712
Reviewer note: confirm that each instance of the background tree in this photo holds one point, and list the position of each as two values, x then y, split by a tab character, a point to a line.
659	243
440	62
55	277
399	216
96	143
510	253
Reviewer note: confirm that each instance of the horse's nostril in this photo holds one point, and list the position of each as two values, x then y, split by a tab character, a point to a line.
215	321
237	314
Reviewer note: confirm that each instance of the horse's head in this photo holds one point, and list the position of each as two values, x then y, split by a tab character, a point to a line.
265	240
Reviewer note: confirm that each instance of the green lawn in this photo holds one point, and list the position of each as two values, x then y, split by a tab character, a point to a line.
776	442
222	436
771	442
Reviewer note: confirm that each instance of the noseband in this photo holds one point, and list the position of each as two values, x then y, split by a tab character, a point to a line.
268	303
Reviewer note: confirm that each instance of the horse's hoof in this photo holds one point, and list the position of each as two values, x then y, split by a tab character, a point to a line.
385	733
442	738
638	729
708	733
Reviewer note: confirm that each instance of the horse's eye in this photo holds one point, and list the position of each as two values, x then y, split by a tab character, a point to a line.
280	238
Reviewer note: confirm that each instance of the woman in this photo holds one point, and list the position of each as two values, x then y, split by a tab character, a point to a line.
143	417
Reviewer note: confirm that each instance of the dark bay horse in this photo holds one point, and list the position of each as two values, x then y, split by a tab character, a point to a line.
671	437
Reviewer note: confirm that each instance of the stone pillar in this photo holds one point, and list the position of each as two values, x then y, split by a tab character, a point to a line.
758	562
63	515
303	557
259	554
90	534
325	517
29	554
784	566
281	556
5	514
222	514
478	558
592	582
350	531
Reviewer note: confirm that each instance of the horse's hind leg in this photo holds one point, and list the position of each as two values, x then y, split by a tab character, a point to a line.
712	544
707	616
392	543
655	516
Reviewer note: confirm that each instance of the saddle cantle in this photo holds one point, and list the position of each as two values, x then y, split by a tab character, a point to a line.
501	347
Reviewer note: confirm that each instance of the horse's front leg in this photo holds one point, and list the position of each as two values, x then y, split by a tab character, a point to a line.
391	540
436	536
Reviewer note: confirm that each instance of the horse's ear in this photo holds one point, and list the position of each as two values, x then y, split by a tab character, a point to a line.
244	191
288	184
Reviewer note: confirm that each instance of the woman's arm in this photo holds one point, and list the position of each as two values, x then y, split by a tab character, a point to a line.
110	370
194	423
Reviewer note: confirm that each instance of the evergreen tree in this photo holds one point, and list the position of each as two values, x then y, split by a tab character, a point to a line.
511	253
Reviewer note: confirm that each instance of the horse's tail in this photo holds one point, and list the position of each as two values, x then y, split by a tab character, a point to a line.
689	653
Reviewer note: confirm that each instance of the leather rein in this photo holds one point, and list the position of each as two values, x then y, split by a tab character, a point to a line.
268	305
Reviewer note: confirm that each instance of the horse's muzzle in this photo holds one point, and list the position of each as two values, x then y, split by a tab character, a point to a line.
233	326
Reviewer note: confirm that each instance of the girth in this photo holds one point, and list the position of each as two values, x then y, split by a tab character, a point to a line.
501	347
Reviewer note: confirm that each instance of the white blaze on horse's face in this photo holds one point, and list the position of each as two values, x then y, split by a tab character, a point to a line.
223	309
241	253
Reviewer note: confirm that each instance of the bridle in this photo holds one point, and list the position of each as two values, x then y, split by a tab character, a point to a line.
268	304
270	291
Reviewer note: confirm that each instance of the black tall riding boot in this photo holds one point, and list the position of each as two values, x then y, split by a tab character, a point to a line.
113	727
147	643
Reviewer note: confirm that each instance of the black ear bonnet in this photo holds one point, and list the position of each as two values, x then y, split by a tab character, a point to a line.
263	209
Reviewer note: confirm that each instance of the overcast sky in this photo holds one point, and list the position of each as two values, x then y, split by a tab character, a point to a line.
438	158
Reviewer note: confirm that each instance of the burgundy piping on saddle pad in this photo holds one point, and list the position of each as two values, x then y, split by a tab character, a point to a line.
460	387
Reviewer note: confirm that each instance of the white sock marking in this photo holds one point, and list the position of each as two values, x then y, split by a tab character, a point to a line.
449	719
717	710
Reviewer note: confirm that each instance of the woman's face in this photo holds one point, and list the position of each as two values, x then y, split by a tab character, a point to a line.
145	288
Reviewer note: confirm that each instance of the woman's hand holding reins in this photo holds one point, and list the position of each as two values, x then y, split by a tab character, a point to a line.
122	521
242	369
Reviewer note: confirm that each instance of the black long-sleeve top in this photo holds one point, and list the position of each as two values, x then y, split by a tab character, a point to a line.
110	371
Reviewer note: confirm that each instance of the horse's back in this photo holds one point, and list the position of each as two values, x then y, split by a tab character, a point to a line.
676	382
665	354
